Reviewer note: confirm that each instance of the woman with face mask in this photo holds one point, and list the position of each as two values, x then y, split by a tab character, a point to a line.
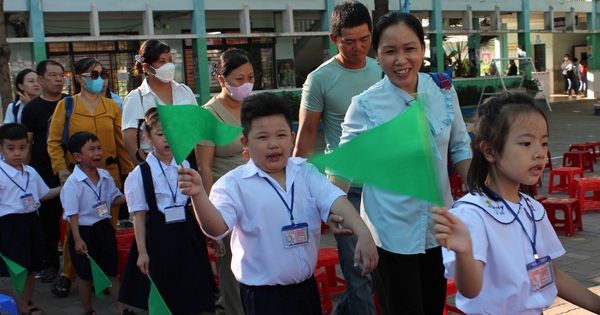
96	114
154	60
235	75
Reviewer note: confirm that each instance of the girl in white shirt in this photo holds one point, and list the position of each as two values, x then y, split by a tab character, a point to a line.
27	88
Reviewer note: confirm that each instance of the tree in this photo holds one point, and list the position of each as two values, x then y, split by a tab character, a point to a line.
5	80
381	8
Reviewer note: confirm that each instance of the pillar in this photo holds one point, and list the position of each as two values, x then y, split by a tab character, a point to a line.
524	39
201	75
436	43
474	44
329	48
36	27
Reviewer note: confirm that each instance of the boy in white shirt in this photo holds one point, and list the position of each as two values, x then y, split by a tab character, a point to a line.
21	190
87	197
273	207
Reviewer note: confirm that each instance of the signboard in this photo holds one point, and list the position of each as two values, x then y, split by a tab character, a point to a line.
562	21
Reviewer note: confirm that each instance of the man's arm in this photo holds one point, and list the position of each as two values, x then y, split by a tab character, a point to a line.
27	160
308	126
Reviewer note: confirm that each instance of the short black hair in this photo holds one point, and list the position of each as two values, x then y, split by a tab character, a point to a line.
42	66
12	131
349	15
262	105
78	140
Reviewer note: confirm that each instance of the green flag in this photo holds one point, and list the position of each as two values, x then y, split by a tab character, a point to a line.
101	281
185	125
156	304
396	156
18	274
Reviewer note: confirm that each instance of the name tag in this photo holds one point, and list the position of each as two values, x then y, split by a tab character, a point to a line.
101	209
27	200
175	214
541	274
295	235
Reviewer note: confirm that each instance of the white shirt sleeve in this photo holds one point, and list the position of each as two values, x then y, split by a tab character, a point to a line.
134	191
132	110
69	199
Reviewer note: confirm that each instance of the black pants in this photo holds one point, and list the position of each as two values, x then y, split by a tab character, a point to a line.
410	284
294	299
50	213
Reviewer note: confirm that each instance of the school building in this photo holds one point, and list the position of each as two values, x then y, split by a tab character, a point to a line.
289	38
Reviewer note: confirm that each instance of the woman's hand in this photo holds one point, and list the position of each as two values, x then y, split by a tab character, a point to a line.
190	182
143	262
450	231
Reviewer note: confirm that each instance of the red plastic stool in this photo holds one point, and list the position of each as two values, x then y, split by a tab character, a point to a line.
596	145
548	161
213	264
582	159
456	186
571	218
583	185
566	176
323	286
63	232
450	290
123	253
585	147
328	258
124	239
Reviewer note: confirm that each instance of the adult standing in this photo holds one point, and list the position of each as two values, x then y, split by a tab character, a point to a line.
326	95
96	114
235	75
567	66
154	60
584	71
512	69
36	114
574	76
27	88
448	69
409	278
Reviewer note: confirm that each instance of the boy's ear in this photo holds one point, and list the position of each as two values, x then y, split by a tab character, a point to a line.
77	156
487	151
293	137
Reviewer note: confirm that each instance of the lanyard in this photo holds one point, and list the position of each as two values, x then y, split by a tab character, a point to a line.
99	193
290	209
26	185
533	242
173	194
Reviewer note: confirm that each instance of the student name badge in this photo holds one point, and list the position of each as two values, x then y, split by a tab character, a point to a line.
28	201
175	214
295	235
101	209
541	274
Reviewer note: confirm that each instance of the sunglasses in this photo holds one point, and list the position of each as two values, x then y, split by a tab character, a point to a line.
95	74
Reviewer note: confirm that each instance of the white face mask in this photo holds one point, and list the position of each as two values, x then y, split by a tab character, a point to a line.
166	73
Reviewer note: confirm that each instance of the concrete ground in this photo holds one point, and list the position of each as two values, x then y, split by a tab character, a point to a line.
570	121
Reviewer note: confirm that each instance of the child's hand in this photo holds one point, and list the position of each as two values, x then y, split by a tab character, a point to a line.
80	247
219	247
366	249
335	225
143	262
450	231
190	182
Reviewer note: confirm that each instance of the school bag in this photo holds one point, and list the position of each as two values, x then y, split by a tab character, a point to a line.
69	105
15	109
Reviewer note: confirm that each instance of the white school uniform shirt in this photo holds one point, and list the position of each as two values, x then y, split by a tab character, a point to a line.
9	117
501	244
78	198
134	187
255	215
134	108
10	194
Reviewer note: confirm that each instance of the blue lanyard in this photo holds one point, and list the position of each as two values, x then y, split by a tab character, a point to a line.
290	209
99	193
174	195
26	184
533	242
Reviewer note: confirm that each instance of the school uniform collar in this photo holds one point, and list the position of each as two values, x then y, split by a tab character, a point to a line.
291	169
497	209
11	171
81	176
146	89
154	161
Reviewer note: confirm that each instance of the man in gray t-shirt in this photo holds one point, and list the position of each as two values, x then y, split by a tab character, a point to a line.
326	95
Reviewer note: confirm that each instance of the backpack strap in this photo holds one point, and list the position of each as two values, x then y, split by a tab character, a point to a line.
69	104
442	80
149	186
15	109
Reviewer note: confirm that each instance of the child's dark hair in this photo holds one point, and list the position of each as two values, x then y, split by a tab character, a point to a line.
78	140
230	60
349	15
263	105
12	131
492	125
149	53
150	118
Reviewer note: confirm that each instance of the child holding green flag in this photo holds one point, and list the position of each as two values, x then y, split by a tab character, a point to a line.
87	197
21	190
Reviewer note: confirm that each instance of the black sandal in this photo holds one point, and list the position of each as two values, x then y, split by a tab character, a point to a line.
90	312
62	282
32	309
128	311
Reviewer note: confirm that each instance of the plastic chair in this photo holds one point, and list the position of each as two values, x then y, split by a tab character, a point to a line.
457	186
213	264
582	159
565	176
571	218
583	185
450	290
323	286
548	161
328	258
7	304
585	147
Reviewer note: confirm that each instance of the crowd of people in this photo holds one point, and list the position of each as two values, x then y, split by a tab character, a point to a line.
258	201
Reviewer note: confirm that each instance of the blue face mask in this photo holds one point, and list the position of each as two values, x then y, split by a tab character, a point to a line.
94	86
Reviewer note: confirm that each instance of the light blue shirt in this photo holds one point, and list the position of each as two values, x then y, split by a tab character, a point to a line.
398	223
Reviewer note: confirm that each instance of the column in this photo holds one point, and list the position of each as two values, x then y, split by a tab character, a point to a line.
523	23
329	49
436	44
474	44
201	75
36	28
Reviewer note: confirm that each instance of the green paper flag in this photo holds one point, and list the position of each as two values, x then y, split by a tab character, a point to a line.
396	156
101	281
185	125
156	304
18	275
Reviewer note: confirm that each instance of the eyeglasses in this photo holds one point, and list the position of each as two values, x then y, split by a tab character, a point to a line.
95	74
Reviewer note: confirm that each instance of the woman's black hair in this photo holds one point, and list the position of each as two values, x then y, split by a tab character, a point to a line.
392	18
263	105
230	60
492	125
149	53
20	79
84	65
